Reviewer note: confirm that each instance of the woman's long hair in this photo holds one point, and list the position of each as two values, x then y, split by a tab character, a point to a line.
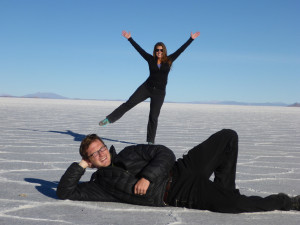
165	58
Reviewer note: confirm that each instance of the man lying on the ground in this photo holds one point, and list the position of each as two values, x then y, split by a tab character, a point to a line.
149	175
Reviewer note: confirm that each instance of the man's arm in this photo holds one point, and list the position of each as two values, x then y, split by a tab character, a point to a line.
161	160
150	163
70	188
158	158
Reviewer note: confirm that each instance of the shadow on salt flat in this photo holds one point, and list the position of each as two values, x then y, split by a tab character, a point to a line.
47	188
80	137
77	137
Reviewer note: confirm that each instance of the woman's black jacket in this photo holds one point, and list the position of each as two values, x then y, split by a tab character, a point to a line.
158	77
116	182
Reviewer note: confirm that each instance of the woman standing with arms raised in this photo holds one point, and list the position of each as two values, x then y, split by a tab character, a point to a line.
154	87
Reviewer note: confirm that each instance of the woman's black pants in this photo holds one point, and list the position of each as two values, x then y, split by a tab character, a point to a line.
192	187
143	92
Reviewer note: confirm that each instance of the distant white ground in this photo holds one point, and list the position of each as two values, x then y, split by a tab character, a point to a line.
40	139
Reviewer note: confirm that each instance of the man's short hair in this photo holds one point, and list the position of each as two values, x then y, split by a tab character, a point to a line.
85	144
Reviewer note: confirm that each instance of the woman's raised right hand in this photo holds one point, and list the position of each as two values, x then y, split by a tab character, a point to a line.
126	35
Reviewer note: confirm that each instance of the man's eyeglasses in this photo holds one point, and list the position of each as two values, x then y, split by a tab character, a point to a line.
97	153
158	49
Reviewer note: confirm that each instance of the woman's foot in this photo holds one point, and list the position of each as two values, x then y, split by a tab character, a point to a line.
104	122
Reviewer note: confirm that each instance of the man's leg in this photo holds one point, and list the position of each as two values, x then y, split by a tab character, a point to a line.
218	199
156	103
137	97
218	155
207	195
193	189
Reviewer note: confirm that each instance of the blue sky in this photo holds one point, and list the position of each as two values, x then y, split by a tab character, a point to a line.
248	50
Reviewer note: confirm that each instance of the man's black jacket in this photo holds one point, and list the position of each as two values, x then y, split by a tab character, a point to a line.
116	182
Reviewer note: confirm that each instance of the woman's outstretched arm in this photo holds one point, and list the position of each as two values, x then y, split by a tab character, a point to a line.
174	55
142	52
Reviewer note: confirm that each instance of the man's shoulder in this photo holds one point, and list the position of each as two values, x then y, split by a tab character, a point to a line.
143	147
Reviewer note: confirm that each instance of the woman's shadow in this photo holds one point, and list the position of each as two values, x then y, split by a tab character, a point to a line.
80	137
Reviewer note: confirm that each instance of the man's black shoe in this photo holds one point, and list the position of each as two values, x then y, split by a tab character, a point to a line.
296	203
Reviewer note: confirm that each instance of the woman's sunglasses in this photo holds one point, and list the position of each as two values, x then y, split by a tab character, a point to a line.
157	50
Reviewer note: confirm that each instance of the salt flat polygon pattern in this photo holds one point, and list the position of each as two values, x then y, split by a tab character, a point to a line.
40	139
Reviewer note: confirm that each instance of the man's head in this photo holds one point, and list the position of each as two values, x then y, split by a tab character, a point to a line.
93	150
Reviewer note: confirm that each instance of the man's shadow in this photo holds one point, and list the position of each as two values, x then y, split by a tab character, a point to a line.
80	137
47	188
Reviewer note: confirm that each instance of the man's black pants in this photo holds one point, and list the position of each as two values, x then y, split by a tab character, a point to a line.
192	187
143	92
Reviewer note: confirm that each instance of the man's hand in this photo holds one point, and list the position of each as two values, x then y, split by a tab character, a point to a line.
141	186
84	164
195	35
125	34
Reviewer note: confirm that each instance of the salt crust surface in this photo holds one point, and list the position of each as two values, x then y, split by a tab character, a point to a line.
40	139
